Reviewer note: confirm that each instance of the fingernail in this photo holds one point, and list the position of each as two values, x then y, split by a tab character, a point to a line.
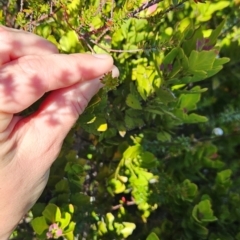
115	72
102	56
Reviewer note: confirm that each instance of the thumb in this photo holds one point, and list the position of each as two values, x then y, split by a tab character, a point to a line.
54	119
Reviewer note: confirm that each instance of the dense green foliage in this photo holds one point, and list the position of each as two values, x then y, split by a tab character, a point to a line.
156	153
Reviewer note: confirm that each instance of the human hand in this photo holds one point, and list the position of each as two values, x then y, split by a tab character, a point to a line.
29	67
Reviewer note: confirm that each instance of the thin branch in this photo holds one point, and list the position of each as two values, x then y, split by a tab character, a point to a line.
100	7
51	7
126	51
114	50
112	9
21	5
173	7
30	23
45	17
223	34
102	34
104	29
151	3
143	7
101	29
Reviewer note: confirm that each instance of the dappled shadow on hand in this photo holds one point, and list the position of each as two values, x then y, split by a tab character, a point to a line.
18	94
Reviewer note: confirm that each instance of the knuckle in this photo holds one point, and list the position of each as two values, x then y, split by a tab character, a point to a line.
36	70
30	64
81	103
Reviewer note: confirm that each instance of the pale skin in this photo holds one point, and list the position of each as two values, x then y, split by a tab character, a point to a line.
31	66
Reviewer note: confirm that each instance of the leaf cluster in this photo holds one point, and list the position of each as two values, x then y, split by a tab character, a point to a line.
144	161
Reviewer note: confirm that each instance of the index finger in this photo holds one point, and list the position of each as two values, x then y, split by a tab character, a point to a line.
17	43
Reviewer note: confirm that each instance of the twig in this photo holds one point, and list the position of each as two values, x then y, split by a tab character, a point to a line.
102	34
114	50
173	7
143	7
51	7
30	23
21	5
95	31
106	28
112	9
125	51
44	17
223	34
151	3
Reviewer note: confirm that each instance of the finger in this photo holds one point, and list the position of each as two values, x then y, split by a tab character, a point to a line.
18	43
51	123
56	116
5	119
25	80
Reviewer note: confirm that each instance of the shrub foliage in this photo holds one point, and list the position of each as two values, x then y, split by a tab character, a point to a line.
156	153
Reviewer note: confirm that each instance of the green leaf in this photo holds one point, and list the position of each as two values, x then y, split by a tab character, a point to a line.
183	59
97	22
128	229
195	118
175	2
79	199
73	5
39	225
132	152
188	101
213	163
177	68
194	90
216	32
201	61
69	235
65	220
217	66
71	209
102	227
208	9
152	236
70	228
200	230
133	119
110	218
189	190
145	80
168	59
164	136
38	208
52	39
148	160
191	118
224	177
203	212
165	95
62	186
46	30
191	39
99	124
69	42
138	182
117	186
133	102
220	61
52	213
154	110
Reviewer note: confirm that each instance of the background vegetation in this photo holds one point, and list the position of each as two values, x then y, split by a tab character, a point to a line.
156	155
